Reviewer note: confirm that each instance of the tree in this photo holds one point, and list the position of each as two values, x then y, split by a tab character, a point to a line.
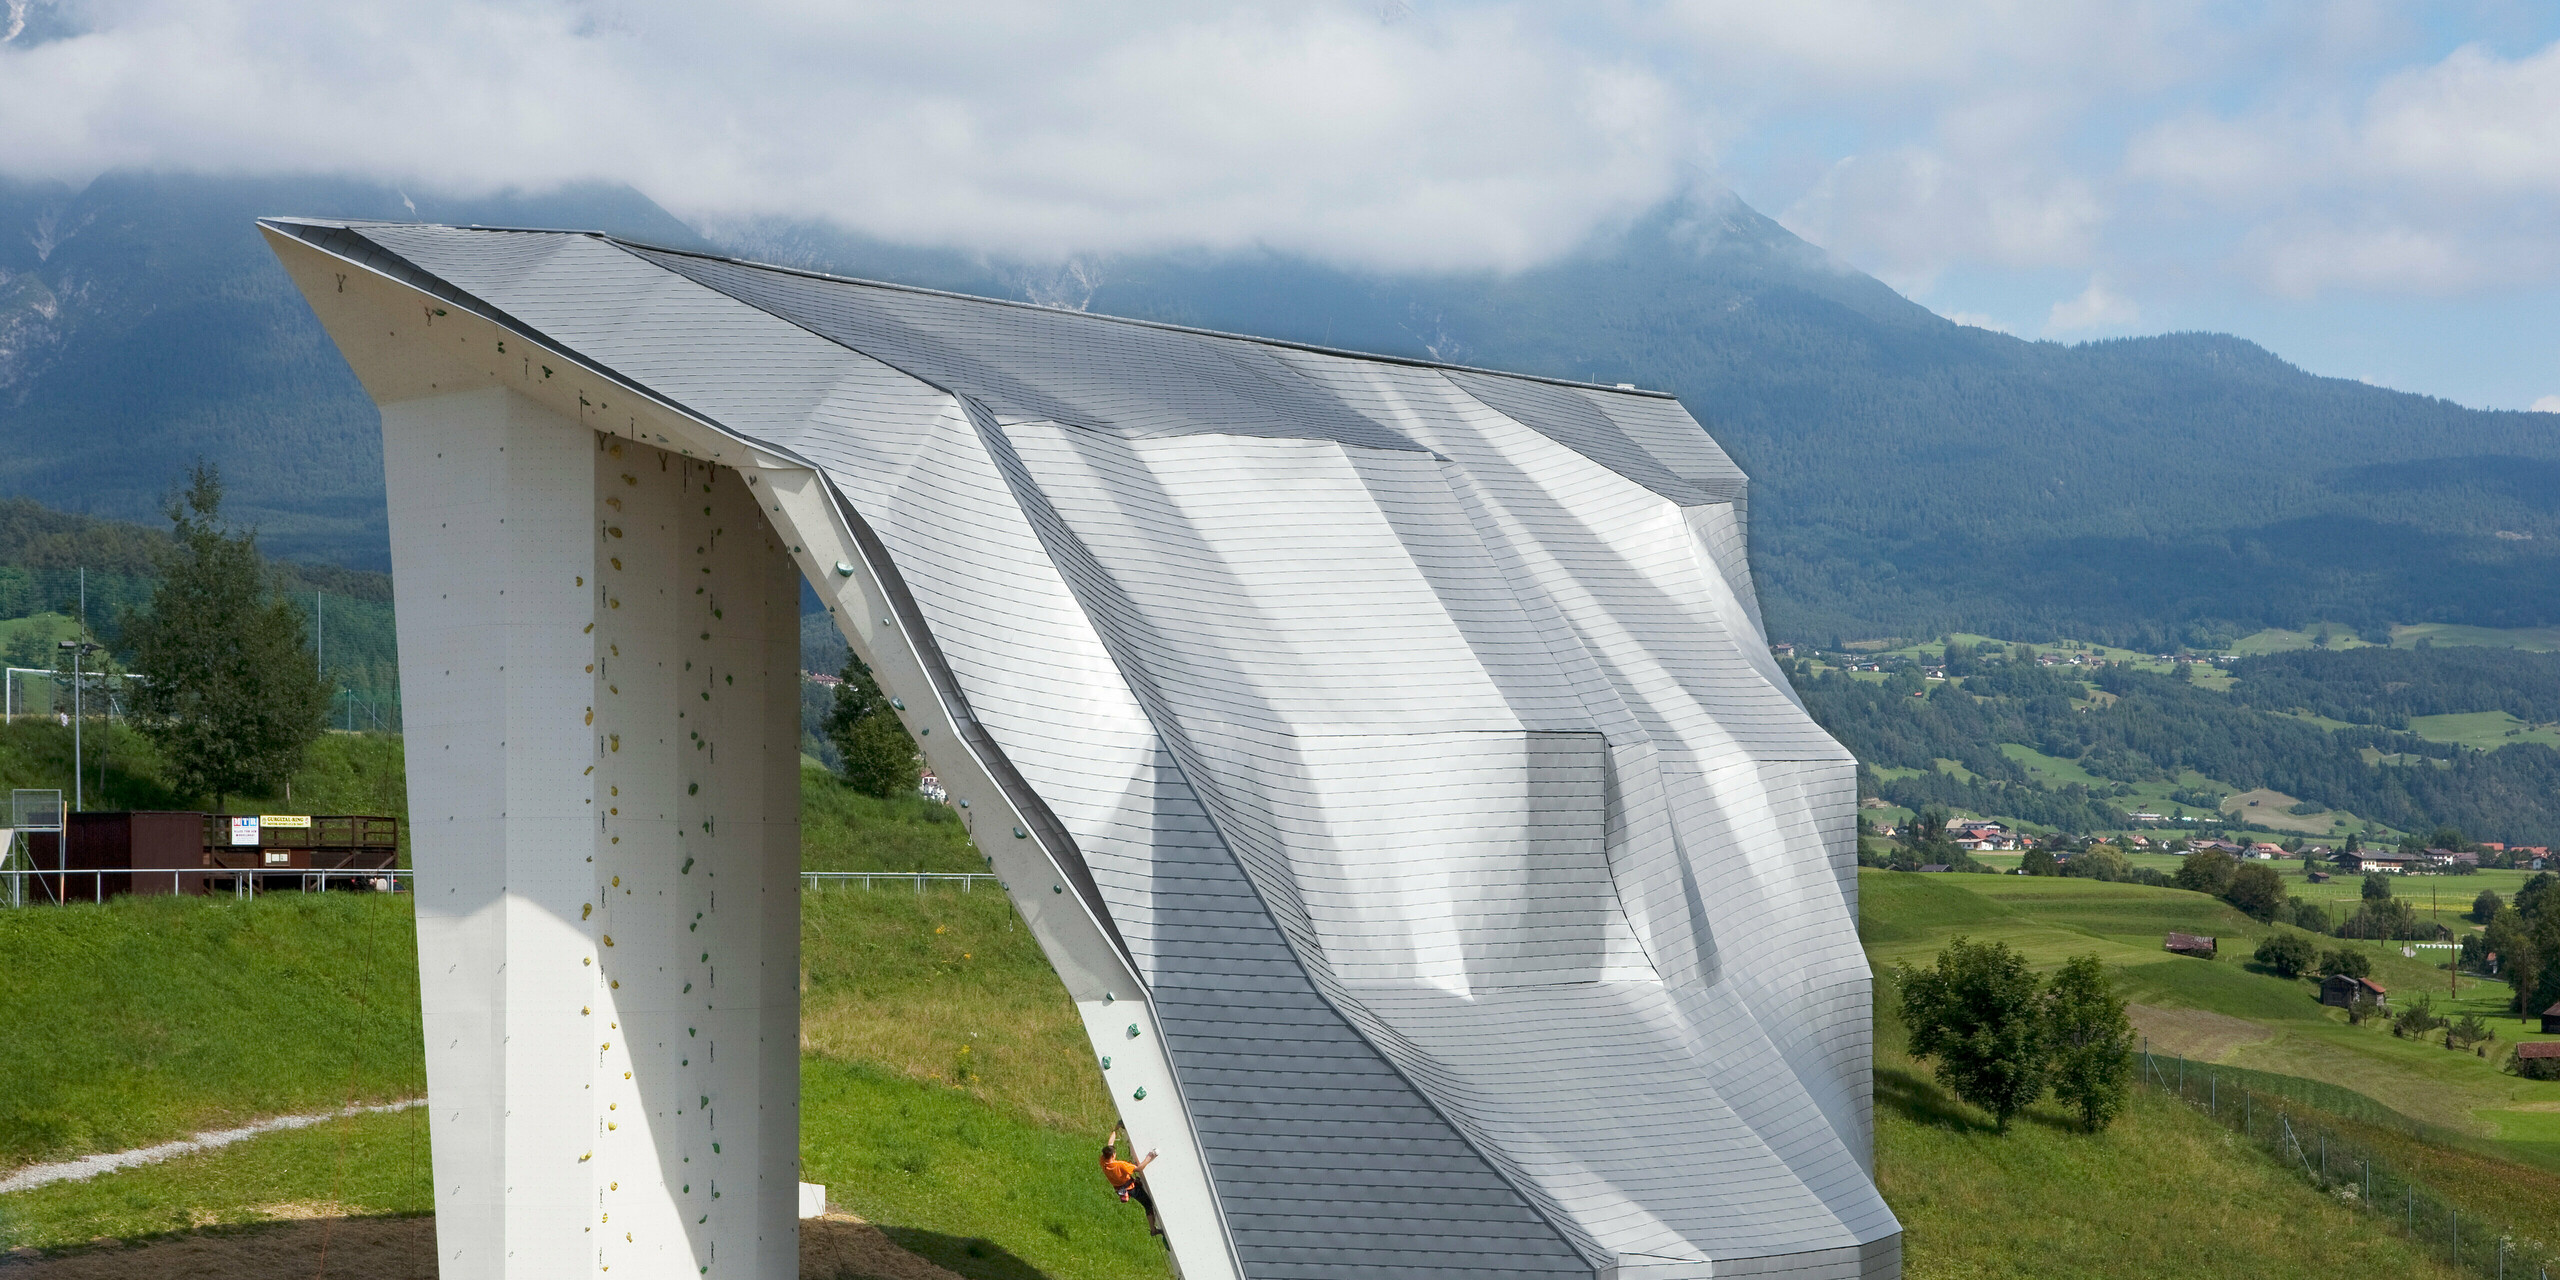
2090	1040
2377	886
2467	1031
2535	896
2416	1019
233	695
2036	861
1979	1013
879	757
2206	871
2346	962
2289	955
2256	890
2302	913
2485	907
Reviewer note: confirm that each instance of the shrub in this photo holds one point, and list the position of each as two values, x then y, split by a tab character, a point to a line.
2289	955
2346	961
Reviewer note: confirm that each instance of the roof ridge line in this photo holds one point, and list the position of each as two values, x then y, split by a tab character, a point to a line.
808	273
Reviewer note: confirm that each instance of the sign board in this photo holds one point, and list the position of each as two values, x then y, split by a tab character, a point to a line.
298	821
278	857
244	831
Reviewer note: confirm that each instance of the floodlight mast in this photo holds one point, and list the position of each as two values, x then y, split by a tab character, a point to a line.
77	648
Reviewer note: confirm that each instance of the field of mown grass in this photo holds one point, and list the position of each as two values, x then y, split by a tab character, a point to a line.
949	1095
2231	1011
147	1019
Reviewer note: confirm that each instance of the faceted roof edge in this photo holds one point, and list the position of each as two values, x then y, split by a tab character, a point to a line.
356	224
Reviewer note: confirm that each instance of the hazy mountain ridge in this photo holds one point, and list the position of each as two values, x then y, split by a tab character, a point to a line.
1911	475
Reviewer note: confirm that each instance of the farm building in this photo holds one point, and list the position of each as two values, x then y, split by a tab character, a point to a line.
2388	861
1386	755
2340	991
2537	1060
2188	944
2551	1020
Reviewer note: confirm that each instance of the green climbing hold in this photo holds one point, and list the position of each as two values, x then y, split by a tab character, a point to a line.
1020	834
1133	1031
1141	1094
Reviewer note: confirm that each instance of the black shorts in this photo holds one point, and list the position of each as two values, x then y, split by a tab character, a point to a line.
1138	1192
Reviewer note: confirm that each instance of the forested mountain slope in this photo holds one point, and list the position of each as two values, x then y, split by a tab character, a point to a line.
1911	475
2332	729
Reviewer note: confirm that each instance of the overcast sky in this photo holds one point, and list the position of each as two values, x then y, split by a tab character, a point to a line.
2370	189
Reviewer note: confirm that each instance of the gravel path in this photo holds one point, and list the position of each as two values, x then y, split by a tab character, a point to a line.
91	1166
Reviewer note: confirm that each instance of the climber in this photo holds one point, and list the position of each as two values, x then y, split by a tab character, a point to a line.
1130	1180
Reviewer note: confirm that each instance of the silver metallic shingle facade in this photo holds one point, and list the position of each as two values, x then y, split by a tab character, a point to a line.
1406	734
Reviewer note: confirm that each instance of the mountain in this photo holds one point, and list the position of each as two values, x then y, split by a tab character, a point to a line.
1911	475
144	324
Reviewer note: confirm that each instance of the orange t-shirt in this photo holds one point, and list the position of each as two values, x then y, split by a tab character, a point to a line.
1121	1173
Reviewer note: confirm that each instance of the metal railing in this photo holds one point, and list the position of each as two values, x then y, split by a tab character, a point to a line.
64	885
35	885
820	879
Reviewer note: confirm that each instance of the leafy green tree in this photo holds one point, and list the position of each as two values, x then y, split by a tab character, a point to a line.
2485	907
2289	955
233	696
2534	899
1979	1014
2207	871
2303	913
2377	886
2346	962
2256	890
2036	861
879	757
2090	1040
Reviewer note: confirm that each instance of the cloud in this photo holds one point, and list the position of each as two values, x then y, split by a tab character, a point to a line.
1469	137
2436	179
1908	214
2097	307
2547	404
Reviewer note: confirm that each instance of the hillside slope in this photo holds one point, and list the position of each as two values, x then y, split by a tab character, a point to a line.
1912	475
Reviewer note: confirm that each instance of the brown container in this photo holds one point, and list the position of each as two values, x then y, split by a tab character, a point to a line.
156	851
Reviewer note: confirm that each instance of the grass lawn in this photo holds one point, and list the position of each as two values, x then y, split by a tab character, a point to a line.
2162	1192
357	1167
971	1186
2284	640
2533	639
2485	730
147	1019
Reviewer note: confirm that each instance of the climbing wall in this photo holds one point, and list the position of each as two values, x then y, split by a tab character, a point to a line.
604	805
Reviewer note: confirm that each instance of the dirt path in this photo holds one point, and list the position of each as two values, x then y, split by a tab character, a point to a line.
836	1247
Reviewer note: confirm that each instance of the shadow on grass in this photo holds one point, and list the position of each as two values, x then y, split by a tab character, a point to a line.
399	1247
1925	1102
970	1256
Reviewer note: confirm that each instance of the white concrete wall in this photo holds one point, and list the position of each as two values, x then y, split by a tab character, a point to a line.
601	640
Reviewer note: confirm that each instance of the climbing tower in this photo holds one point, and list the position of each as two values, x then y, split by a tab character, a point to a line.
1386	755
